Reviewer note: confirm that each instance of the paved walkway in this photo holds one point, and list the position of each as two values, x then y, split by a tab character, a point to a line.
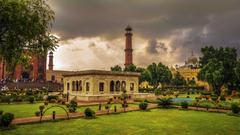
103	112
74	115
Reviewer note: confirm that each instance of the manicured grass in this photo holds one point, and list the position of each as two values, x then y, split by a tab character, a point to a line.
28	110
154	122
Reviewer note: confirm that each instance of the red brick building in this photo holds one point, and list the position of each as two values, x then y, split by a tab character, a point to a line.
36	70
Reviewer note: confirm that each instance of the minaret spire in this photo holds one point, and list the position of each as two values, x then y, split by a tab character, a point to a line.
128	49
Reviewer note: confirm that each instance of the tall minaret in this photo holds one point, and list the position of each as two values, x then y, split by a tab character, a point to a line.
128	50
50	64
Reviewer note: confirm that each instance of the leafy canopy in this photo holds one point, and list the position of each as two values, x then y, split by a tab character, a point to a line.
25	25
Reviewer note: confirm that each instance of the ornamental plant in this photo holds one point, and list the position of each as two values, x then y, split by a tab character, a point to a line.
143	105
7	119
89	113
235	108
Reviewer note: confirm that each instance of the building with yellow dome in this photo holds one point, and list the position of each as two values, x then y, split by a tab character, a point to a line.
190	70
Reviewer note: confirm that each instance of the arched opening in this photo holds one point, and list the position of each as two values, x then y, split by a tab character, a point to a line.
118	85
112	86
25	75
123	86
80	85
73	86
77	85
53	77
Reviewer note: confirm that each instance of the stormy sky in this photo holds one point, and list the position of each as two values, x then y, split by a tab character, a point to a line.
92	31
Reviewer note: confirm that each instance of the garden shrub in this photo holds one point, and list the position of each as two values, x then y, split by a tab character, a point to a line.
164	102
188	93
235	108
1	112
143	105
72	106
37	113
89	113
45	102
50	97
222	98
187	97
184	104
7	119
31	99
157	92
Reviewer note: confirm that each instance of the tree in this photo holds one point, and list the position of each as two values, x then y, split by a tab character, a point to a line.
237	74
25	26
178	80
130	68
144	74
213	73
227	56
156	74
116	68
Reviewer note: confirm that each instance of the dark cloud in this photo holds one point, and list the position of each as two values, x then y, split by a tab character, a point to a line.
155	47
187	24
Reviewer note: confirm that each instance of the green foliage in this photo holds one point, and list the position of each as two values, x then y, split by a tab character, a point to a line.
213	73
158	73
178	80
25	24
7	119
157	92
143	105
164	102
72	106
116	68
235	108
218	67
1	112
184	104
37	113
50	97
130	68
89	113
31	99
222	98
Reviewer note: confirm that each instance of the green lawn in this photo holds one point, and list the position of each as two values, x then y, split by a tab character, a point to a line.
28	110
154	122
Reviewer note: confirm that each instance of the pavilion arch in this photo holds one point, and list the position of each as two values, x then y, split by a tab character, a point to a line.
123	86
112	85
73	85
118	86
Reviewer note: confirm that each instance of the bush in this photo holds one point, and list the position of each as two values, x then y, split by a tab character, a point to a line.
72	106
184	104
164	102
187	97
7	119
49	98
157	92
31	99
1	112
188	93
222	98
6	99
143	105
235	108
89	113
46	103
37	113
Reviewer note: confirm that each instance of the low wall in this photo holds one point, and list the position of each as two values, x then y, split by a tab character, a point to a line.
106	97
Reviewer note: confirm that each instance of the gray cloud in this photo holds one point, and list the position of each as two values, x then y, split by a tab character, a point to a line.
188	24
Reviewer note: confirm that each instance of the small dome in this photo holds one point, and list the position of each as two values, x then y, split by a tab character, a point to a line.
128	28
192	60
